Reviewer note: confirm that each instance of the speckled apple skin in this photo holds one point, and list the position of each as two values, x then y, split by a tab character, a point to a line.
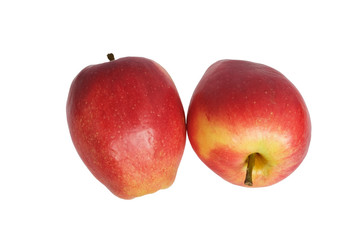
241	107
127	123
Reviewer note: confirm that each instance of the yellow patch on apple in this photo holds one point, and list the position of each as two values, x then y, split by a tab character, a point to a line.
212	135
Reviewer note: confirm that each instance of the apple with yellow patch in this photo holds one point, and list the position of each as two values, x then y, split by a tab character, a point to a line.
128	125
248	123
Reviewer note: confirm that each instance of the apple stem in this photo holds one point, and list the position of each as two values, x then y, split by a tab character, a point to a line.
249	169
111	57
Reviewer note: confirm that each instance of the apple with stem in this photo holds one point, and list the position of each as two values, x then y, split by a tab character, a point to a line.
248	123
127	123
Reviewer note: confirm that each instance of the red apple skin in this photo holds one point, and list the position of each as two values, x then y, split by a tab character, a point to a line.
240	108
127	123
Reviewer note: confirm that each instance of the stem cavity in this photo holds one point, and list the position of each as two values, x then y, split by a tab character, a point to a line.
250	166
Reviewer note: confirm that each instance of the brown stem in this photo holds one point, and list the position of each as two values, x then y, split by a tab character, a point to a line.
250	165
111	57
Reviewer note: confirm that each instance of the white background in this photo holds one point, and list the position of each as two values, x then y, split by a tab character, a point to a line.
48	193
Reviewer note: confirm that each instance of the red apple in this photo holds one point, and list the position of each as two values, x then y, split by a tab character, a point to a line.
248	123
127	123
